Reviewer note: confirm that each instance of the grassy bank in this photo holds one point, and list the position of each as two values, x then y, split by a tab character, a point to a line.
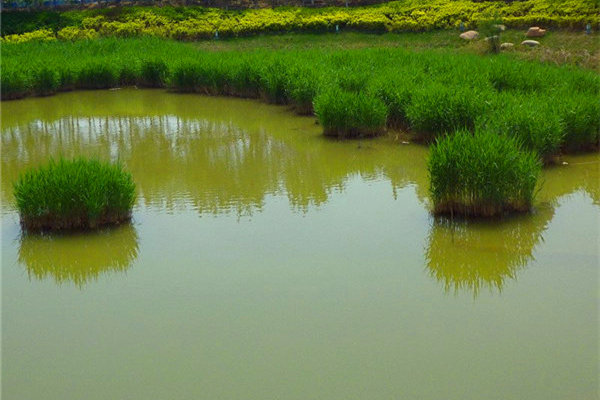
193	23
77	194
429	92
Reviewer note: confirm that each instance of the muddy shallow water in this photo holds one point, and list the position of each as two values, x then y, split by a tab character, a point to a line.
267	262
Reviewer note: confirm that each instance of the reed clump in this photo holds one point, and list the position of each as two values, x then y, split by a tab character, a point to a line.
13	84
396	94
153	74
98	76
74	194
46	81
533	123
436	109
580	114
350	114
481	174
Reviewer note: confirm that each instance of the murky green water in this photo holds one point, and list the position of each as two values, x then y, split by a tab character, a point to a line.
266	262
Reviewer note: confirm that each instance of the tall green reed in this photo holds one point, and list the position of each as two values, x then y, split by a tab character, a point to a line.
481	174
74	194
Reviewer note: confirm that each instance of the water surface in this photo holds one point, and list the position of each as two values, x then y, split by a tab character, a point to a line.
267	262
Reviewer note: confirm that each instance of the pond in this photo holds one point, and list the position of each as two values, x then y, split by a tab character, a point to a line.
265	261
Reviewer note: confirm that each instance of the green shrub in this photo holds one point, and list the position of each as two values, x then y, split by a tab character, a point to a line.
97	76
302	87
530	121
13	84
74	194
186	77
481	174
273	80
436	109
41	35
349	114
67	78
580	115
193	22
397	95
75	33
45	81
154	73
129	75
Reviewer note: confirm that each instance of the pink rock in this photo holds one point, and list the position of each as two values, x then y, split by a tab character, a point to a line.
469	35
535	31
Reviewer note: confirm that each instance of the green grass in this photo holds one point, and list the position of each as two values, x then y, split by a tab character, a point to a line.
397	96
152	74
45	81
580	115
534	123
97	75
557	47
350	114
303	87
427	92
15	84
481	174
74	194
439	108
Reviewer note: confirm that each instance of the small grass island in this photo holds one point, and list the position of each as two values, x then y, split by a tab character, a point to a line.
482	174
74	194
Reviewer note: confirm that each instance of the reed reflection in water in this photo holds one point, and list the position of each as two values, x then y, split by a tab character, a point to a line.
469	256
212	166
79	258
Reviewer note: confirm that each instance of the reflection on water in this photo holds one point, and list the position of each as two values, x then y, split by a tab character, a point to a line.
225	157
219	156
578	173
473	255
79	258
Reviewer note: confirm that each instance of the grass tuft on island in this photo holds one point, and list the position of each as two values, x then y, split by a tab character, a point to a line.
74	194
482	174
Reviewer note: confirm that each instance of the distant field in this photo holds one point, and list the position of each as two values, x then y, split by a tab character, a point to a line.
557	47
